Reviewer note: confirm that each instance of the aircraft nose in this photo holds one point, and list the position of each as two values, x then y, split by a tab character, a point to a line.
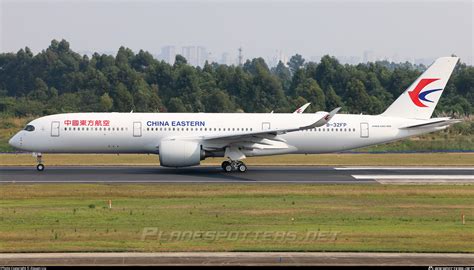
15	141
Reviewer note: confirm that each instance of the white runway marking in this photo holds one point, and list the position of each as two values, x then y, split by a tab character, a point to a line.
405	168
426	177
418	179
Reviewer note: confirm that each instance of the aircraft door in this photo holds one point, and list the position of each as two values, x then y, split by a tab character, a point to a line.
55	129
265	125
364	130
137	129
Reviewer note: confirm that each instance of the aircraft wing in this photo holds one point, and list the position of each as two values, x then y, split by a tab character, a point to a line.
274	132
264	139
232	144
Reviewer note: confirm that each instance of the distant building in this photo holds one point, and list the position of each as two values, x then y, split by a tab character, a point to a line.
369	56
168	54
351	60
190	53
226	59
201	56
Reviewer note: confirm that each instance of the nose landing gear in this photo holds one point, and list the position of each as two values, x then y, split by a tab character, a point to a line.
234	165
40	166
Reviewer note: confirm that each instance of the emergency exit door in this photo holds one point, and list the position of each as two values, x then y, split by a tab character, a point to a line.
364	130
55	129
265	125
137	129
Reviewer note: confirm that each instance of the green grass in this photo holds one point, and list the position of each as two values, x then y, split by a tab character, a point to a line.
59	217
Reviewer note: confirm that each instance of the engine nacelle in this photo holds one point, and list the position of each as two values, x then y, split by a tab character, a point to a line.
180	153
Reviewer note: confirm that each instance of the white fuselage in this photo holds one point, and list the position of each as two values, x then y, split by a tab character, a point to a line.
143	132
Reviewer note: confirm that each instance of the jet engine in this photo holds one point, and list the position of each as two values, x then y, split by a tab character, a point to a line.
180	153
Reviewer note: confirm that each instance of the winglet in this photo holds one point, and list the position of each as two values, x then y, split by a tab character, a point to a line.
324	120
302	108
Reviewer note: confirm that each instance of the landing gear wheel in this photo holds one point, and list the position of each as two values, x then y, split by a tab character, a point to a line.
39	161
225	164
234	166
242	168
228	167
40	167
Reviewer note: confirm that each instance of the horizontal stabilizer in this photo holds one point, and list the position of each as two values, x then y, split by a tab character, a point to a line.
435	122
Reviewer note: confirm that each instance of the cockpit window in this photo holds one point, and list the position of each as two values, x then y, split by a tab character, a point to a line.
30	128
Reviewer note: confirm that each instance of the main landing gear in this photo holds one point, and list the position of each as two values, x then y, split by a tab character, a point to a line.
234	166
40	166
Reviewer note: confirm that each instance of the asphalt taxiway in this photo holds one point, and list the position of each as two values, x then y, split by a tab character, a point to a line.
255	174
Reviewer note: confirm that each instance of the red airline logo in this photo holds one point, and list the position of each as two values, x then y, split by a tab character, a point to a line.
417	96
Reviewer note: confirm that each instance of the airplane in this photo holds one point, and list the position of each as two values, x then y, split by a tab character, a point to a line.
184	139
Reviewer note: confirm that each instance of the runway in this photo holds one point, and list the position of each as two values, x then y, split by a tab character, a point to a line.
239	258
255	174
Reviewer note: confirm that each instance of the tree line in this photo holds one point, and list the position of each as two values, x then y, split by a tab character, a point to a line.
58	80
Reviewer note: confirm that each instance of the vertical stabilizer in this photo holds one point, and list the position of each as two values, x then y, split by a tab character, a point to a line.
420	98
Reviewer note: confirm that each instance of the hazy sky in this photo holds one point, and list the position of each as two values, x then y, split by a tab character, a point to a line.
411	29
